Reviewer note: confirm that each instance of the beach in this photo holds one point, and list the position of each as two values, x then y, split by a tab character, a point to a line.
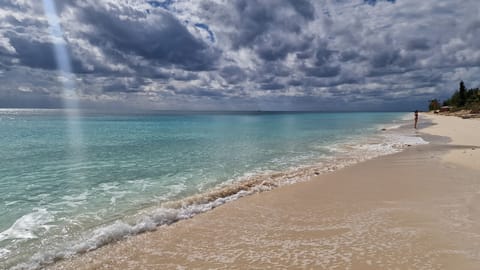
71	186
418	209
239	135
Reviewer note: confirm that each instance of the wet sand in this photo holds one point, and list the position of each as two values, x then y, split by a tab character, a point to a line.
419	209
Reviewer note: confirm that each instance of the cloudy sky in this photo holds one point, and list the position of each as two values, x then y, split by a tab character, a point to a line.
237	54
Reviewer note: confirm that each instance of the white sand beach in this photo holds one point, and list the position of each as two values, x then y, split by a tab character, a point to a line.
460	132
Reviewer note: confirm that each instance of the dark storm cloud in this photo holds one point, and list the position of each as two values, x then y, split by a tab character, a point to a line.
277	69
233	74
162	39
36	54
159	39
257	54
295	82
277	47
323	56
323	82
127	85
349	55
33	53
202	92
255	19
20	91
418	44
264	26
385	58
27	100
272	86
322	71
20	24
391	61
61	5
304	8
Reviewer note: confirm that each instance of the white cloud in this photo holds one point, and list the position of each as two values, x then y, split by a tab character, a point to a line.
234	52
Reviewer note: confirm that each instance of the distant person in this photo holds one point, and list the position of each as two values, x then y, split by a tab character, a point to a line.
416	118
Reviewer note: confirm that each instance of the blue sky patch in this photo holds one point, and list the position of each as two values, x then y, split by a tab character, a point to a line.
374	2
161	4
206	28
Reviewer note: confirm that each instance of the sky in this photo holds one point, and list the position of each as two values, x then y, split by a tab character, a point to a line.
322	55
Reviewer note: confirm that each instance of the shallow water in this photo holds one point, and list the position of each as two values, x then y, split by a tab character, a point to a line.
124	174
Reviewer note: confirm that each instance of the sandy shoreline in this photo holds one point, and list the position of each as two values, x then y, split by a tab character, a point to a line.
419	209
460	133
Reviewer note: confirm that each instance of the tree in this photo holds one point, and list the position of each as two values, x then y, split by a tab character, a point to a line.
434	105
454	99
462	95
461	99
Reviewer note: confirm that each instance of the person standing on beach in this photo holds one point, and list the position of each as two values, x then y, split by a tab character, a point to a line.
416	118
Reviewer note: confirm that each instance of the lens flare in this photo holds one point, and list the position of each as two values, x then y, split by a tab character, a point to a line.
66	77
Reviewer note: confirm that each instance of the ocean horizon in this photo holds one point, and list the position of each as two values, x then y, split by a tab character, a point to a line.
71	184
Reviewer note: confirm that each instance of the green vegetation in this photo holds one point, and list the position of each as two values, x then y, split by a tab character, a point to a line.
462	99
434	105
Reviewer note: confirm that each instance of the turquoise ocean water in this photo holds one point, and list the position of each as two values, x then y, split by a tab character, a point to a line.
72	185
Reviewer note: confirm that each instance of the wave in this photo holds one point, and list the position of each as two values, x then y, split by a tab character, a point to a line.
26	226
342	155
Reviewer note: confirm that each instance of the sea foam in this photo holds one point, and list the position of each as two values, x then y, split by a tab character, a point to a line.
26	226
120	230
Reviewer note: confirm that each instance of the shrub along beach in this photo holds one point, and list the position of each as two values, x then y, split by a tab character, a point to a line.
464	103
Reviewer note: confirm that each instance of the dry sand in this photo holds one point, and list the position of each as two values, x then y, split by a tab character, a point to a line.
460	132
419	209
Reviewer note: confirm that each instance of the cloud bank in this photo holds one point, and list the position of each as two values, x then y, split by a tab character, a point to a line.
242	54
